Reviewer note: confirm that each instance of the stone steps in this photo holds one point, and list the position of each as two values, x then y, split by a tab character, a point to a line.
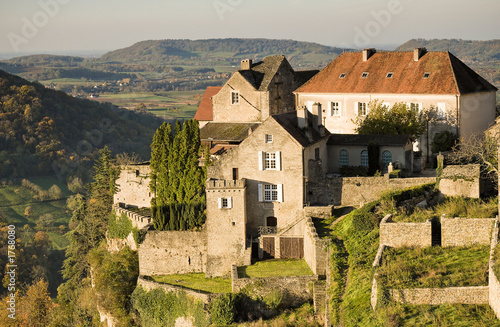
319	297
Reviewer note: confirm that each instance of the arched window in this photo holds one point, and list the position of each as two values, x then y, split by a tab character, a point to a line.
343	158
364	158
386	158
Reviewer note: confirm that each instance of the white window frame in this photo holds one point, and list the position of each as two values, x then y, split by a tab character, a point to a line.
270	192
441	110
235	95
269	138
225	203
269	160
365	74
337	106
389	75
357	107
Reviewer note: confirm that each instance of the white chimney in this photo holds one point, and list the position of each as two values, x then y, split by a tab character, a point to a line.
419	53
246	64
367	53
317	116
302	117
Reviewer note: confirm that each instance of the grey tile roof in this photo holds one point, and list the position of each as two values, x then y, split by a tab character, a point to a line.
231	132
365	139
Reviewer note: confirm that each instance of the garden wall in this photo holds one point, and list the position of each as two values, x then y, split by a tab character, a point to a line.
405	234
172	252
466	231
296	289
461	180
137	220
493	279
438	296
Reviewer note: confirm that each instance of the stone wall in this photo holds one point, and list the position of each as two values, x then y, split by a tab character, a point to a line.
466	231
116	244
493	279
405	234
376	263
315	252
296	289
172	252
438	296
137	220
354	191
324	212
461	180
149	285
133	186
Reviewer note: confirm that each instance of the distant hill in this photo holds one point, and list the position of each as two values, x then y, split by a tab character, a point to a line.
43	131
306	53
44	59
468	51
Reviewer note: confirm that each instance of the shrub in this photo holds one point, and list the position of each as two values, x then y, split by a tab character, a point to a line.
274	300
222	309
119	227
443	141
353	171
55	192
76	185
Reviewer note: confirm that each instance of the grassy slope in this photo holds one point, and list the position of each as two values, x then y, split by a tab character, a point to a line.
197	281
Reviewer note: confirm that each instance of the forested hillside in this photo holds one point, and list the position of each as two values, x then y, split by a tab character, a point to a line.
44	131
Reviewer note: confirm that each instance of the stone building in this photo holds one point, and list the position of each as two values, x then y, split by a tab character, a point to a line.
133	186
460	100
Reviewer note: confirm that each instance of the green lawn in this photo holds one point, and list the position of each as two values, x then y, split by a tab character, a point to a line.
435	267
275	268
198	282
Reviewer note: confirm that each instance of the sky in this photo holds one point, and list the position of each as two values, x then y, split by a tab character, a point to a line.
92	26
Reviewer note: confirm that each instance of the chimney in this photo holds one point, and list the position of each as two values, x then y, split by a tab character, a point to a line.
302	117
317	116
419	53
246	64
367	53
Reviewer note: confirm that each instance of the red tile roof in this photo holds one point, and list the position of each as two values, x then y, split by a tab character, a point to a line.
205	110
448	75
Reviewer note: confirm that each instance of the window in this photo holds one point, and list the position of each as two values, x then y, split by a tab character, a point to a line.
426	75
225	203
269	138
316	154
389	75
271	222
362	109
364	158
415	107
441	110
271	193
270	160
235	174
335	108
364	75
386	158
235	97
342	75
343	158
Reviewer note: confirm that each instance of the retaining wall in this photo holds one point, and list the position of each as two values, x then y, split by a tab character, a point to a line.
461	180
405	234
438	296
172	252
466	231
116	244
149	285
494	293
296	289
314	249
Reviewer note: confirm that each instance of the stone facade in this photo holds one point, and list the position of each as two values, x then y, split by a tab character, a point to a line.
315	249
172	252
466	231
492	277
438	296
405	234
137	220
133	186
226	226
461	180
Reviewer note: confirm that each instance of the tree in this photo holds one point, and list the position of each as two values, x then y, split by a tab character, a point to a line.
44	221
55	192
398	119
76	185
478	149
28	212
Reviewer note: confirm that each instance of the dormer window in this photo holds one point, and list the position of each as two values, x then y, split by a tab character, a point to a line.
342	75
235	97
364	75
389	75
426	75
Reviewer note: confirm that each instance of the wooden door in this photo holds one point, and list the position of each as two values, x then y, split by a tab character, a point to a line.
291	247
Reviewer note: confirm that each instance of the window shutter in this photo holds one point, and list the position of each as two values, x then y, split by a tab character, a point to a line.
220	203
230	202
340	108
278	160
356	107
280	192
261	197
420	107
261	160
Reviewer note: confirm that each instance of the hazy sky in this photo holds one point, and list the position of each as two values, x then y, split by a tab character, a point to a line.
55	26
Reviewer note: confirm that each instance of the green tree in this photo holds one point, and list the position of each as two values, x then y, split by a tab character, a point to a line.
398	119
55	192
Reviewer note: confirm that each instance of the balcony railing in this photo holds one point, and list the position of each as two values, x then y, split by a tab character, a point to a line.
266	230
